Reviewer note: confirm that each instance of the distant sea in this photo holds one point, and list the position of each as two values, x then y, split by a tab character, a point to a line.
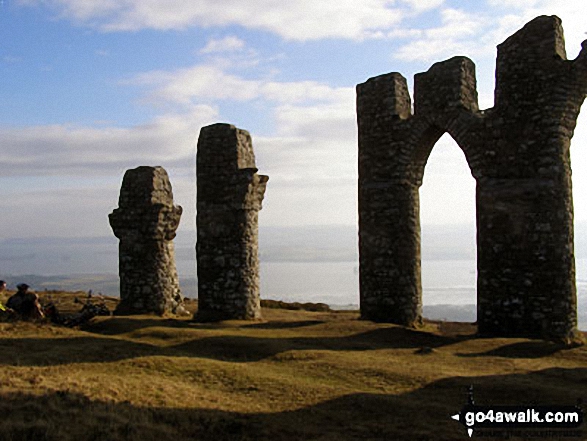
448	286
305	264
449	290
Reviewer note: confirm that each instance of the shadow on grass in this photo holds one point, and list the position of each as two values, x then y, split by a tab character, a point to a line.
122	325
58	351
420	415
284	324
526	349
84	349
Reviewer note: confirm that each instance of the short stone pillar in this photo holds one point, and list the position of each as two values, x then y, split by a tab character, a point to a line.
229	198
145	222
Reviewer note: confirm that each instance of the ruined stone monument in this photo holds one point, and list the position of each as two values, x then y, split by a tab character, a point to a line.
229	198
145	222
518	153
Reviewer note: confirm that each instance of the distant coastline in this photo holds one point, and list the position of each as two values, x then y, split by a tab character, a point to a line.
434	309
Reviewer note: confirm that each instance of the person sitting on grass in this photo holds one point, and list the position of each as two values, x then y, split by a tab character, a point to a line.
25	303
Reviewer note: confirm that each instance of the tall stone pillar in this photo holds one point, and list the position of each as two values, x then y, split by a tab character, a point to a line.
389	220
145	222
526	281
230	193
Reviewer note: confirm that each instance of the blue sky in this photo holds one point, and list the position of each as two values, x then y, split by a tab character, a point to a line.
92	88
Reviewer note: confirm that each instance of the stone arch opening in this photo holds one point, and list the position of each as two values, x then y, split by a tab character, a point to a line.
579	183
448	234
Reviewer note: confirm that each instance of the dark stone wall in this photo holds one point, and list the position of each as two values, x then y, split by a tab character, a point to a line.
145	222
229	197
518	152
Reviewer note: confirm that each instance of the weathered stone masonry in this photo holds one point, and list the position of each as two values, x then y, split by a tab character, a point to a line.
518	152
230	193
145	222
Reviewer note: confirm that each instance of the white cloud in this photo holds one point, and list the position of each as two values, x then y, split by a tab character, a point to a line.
312	164
476	34
210	82
80	10
202	81
59	212
513	4
62	150
455	36
77	206
424	5
572	14
296	92
295	20
64	180
226	44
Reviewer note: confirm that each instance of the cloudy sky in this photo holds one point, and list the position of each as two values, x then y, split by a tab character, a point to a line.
92	88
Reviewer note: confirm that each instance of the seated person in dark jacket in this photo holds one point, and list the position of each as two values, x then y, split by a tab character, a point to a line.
25	303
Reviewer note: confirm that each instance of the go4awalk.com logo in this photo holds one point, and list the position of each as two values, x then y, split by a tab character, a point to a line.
557	420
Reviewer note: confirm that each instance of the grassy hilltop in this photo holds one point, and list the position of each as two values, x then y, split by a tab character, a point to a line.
298	375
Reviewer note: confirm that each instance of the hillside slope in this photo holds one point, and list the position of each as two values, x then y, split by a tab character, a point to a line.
297	375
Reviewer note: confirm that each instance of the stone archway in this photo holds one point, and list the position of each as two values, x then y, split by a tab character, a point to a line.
448	235
518	153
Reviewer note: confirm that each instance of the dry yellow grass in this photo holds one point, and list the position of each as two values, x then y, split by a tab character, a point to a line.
297	375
